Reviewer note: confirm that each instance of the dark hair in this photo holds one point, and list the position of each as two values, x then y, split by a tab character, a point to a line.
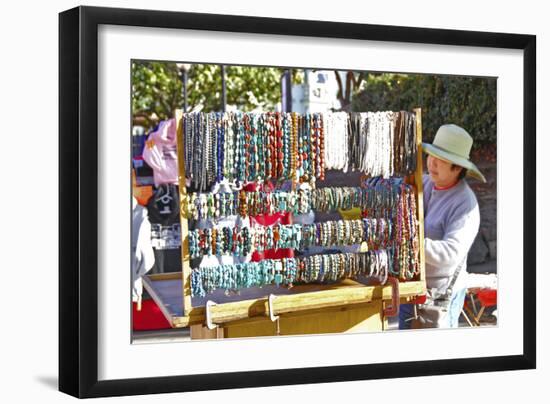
462	172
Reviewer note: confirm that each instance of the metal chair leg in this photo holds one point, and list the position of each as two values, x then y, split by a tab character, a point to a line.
466	317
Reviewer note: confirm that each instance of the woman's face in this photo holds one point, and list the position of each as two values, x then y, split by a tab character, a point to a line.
442	173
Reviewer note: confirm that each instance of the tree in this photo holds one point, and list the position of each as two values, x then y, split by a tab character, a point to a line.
157	89
156	92
353	83
469	102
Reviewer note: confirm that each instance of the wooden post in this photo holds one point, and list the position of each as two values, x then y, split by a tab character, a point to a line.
420	194
185	265
199	331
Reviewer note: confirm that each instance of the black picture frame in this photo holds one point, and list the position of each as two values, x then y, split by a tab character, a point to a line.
78	206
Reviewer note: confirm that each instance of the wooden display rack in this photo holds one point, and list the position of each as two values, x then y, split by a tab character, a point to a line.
348	306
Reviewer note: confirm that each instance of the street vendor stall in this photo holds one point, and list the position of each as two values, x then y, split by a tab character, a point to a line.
230	285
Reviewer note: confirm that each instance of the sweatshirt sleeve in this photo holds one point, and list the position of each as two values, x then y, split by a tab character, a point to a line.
447	253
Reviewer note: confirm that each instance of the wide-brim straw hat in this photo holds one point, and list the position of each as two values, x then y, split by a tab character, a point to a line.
453	144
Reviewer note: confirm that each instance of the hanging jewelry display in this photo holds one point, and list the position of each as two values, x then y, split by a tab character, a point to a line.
246	147
376	233
389	222
238	148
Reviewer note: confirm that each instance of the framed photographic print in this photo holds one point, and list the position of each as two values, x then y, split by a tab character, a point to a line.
250	201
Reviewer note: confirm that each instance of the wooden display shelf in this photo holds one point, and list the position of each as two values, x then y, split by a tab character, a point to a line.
166	289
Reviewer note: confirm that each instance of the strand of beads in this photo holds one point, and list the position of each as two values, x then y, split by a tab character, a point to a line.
188	143
239	160
269	145
212	149
220	142
229	146
336	132
293	146
321	146
314	147
277	145
204	177
413	268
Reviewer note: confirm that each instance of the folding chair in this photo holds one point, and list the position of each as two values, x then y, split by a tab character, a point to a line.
487	298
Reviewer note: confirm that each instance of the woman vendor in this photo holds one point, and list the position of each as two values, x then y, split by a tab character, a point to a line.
451	220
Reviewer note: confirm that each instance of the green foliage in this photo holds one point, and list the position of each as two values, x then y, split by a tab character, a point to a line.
469	102
247	88
157	89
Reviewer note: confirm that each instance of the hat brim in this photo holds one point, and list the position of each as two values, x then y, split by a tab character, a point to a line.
471	168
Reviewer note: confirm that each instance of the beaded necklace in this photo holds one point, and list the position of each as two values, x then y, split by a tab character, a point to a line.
269	141
293	146
276	144
321	147
286	158
300	146
220	135
213	158
248	154
240	169
199	137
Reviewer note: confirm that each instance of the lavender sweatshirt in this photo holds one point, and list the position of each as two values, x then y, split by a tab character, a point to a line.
451	223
